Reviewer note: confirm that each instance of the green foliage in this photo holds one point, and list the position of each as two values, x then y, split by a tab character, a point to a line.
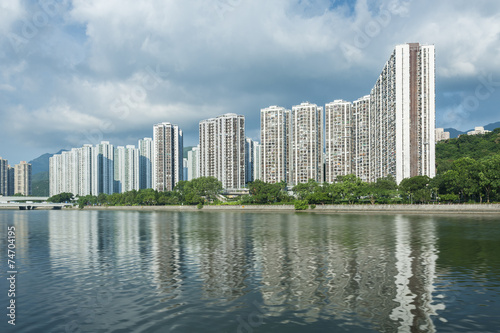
199	206
264	193
301	204
88	200
473	146
198	190
61	198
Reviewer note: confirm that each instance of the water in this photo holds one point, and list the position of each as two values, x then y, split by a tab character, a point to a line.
126	271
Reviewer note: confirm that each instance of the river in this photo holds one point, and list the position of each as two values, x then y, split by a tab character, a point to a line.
130	271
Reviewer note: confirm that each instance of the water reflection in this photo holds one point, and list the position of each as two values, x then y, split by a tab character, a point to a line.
377	272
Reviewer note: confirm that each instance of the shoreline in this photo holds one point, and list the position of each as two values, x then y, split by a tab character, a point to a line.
331	209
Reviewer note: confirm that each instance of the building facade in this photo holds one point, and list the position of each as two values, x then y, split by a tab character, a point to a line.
11	180
361	139
22	175
4	177
146	148
167	156
103	169
222	150
193	163
338	140
275	131
249	160
403	114
306	144
257	166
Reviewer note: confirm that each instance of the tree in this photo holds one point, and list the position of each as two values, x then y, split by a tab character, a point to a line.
467	171
351	188
61	198
416	184
490	176
102	198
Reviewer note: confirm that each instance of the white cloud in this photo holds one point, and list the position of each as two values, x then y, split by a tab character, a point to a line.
86	67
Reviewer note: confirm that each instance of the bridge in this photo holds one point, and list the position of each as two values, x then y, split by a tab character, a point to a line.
21	199
33	205
29	203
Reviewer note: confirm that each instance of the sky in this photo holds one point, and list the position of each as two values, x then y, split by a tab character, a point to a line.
86	71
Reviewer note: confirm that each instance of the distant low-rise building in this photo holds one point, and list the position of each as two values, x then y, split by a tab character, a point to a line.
441	134
478	130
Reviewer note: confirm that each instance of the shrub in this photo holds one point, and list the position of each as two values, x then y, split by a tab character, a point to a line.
301	204
199	206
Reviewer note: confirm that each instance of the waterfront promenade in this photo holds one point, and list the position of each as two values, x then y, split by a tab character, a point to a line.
383	209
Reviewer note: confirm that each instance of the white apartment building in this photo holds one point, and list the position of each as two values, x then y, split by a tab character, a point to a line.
85	161
361	139
275	131
146	148
103	168
338	140
306	143
193	164
167	156
22	175
257	165
126	171
403	114
222	149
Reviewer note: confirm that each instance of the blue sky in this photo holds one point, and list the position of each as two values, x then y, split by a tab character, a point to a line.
75	72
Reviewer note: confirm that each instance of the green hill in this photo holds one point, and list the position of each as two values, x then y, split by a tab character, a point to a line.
473	146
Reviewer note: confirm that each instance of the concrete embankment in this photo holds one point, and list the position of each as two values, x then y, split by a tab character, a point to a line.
382	209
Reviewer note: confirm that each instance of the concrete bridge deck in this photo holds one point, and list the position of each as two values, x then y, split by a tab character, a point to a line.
33	205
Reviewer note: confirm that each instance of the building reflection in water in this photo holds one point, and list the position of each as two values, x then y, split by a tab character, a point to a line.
73	240
380	270
167	254
22	235
221	250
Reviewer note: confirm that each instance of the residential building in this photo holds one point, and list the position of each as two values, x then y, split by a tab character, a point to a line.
306	144
22	175
222	150
85	161
126	171
146	148
275	135
64	172
11	180
184	168
338	140
193	163
103	168
361	139
249	160
167	152
4	177
257	165
402	120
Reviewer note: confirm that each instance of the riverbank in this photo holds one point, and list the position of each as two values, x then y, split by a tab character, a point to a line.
382	209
